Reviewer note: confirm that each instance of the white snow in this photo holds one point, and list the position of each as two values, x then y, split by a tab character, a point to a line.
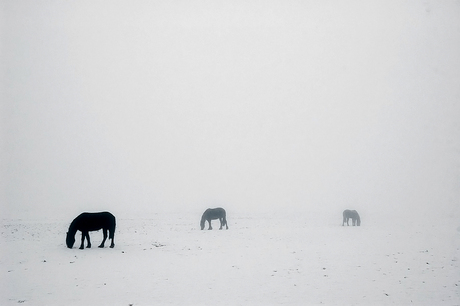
267	259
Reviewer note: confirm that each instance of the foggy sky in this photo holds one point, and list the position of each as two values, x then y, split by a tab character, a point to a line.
150	106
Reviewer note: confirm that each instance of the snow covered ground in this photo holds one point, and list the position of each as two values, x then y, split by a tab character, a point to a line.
270	259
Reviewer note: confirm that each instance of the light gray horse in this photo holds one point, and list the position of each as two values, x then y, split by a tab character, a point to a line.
353	214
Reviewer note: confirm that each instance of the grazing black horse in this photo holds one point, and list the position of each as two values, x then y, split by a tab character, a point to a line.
87	222
212	214
353	214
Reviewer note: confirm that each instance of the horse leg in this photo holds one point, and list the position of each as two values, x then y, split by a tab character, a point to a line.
221	223
104	232
83	235
89	241
210	227
112	236
225	222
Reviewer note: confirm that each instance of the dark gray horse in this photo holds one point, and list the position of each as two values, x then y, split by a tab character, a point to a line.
87	222
353	215
212	214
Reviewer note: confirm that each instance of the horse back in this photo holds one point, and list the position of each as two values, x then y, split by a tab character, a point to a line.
95	221
214	213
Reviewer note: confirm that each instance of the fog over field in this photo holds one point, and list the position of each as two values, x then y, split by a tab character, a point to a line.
167	106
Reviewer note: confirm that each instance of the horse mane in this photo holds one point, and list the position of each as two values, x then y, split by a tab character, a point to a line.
203	218
73	228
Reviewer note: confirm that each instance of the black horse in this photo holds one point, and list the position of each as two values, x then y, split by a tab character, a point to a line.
87	222
212	214
353	214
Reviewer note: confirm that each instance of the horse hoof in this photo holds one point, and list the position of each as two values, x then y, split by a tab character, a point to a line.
111	246
101	246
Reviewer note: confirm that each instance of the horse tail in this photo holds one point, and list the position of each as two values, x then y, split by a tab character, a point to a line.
224	218
112	227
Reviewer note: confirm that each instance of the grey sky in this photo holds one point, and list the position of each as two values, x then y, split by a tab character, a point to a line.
169	105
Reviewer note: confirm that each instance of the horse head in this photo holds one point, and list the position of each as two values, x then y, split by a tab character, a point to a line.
70	240
202	223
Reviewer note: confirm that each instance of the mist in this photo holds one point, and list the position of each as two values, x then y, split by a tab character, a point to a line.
152	106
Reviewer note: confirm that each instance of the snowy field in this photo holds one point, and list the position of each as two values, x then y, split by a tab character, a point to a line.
164	259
